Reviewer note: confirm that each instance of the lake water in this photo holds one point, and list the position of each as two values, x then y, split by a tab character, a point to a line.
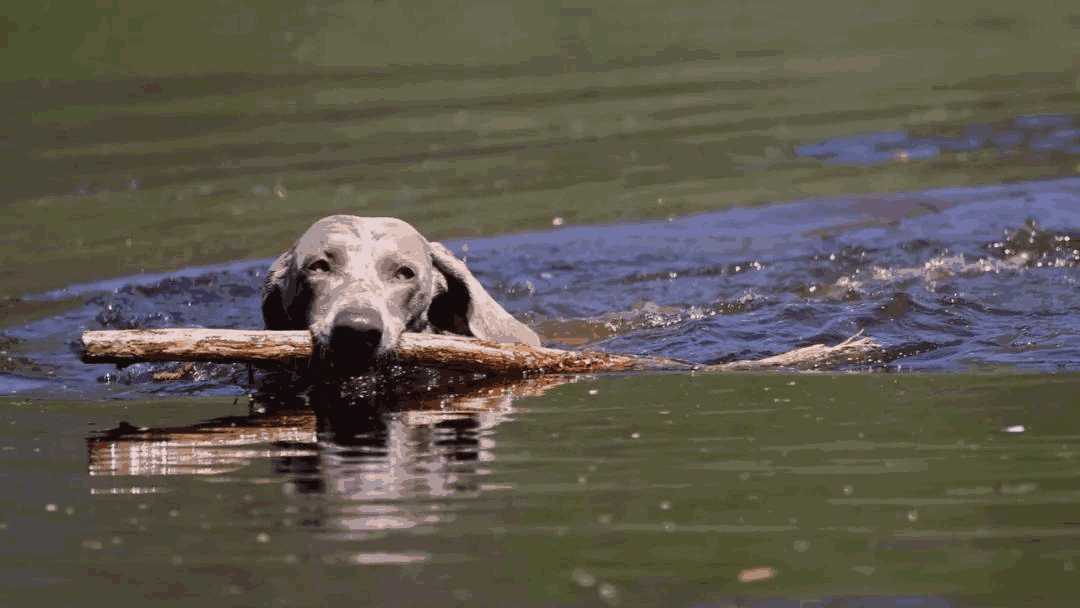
702	182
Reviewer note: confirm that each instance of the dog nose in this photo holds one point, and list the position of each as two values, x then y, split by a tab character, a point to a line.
356	335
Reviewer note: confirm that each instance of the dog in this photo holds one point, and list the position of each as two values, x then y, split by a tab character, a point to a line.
358	283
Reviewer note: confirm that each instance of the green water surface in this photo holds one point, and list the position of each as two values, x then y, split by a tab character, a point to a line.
641	490
152	135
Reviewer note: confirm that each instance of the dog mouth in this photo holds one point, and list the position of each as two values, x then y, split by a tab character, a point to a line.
349	352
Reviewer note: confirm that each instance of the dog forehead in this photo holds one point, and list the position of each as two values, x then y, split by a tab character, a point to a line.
351	232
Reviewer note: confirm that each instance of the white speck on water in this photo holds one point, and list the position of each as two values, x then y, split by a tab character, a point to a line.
93	545
173	512
608	593
262	537
665	505
753	575
604	519
635	435
593	391
864	570
913	515
51	508
69	510
848	490
1016	428
801	546
582	480
583	578
557	221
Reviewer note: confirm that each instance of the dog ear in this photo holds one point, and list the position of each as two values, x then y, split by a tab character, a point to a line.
283	304
464	307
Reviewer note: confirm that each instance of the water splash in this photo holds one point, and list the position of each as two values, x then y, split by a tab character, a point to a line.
947	280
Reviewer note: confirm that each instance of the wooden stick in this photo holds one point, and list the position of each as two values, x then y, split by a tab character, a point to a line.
430	350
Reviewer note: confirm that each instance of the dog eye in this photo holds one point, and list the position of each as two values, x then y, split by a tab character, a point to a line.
319	266
405	273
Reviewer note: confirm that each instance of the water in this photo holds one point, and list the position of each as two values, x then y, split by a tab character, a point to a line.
950	280
617	175
920	490
765	490
122	154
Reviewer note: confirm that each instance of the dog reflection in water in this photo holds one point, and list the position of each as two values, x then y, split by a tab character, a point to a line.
364	447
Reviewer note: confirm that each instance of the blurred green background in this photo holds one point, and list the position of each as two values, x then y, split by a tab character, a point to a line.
150	135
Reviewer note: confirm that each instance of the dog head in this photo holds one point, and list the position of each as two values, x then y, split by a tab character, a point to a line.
358	283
